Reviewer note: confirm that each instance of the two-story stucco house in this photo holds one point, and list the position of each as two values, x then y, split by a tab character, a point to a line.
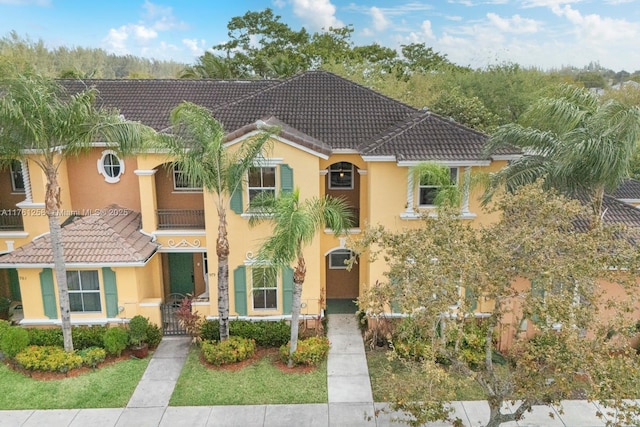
135	233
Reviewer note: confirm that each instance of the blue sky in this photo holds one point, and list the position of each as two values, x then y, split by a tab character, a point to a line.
543	33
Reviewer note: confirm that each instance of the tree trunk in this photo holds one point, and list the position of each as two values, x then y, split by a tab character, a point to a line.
222	251
298	280
52	204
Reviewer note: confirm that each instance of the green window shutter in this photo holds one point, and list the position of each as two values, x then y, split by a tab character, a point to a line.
14	284
110	291
287	290
236	201
286	178
48	294
240	289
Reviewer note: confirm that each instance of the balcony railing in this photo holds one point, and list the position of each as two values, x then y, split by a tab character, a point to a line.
11	220
171	219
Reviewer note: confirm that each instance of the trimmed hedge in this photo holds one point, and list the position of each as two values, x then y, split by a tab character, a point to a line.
264	332
88	336
14	340
309	351
48	336
235	349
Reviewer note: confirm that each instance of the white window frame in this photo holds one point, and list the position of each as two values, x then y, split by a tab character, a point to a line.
427	187
15	170
275	288
341	172
262	188
82	291
103	168
175	174
338	266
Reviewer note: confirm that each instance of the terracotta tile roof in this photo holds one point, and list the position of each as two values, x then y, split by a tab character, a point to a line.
317	109
110	236
629	189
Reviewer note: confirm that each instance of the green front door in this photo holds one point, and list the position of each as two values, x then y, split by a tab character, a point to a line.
181	273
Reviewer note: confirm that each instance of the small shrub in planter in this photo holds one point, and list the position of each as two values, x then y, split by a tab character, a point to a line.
48	359
14	340
88	336
115	340
92	356
310	351
154	335
235	349
49	336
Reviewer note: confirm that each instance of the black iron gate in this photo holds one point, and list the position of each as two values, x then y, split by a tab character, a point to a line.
170	323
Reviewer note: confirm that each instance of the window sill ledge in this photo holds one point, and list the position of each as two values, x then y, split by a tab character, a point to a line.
412	216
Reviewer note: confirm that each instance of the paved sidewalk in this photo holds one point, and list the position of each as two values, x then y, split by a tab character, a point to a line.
350	399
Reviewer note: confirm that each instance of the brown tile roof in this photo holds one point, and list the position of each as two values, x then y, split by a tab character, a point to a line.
319	110
110	236
629	189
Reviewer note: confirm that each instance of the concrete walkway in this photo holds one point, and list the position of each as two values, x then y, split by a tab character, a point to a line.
350	399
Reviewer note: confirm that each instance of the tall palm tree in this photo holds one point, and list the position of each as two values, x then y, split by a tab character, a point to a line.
37	115
578	143
295	224
196	144
210	66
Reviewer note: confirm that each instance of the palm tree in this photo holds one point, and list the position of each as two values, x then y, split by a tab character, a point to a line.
196	143
210	66
576	142
295	224
37	115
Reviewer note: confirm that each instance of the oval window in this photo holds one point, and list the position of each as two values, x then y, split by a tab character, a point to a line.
110	166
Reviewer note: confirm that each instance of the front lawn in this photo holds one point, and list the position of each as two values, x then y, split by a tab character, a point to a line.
108	387
387	376
255	384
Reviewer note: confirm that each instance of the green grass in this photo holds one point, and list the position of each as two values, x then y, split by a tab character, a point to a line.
107	387
256	384
382	383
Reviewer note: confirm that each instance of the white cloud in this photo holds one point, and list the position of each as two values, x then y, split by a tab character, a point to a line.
427	31
195	46
279	3
115	41
316	14
162	17
380	22
515	24
597	30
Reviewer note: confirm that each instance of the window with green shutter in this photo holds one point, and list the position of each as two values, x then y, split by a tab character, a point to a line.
110	291
287	290
240	290
286	178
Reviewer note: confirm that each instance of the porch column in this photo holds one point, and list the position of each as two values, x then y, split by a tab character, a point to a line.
148	202
465	190
410	187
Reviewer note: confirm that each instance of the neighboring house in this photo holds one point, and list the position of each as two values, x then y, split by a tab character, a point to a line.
135	233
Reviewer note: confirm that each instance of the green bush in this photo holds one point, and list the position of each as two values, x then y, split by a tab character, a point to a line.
48	358
310	351
14	340
92	356
235	349
49	336
88	336
265	333
115	340
154	335
4	326
138	330
413	349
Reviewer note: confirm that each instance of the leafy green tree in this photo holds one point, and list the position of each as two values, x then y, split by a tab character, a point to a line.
196	145
469	111
577	143
462	286
36	114
210	66
295	224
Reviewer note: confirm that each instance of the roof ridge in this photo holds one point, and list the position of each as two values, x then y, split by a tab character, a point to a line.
394	131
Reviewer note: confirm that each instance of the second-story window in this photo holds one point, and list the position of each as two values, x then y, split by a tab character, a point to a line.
341	176
261	180
428	191
17	181
110	166
181	181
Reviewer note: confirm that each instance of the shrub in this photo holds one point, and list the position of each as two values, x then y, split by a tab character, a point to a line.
154	335
310	351
92	356
14	340
138	330
48	358
50	336
265	333
235	349
190	320
4	326
412	349
116	340
88	336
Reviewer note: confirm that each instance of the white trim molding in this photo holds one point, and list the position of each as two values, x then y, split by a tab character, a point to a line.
145	172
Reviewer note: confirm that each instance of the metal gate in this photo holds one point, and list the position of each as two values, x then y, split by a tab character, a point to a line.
170	323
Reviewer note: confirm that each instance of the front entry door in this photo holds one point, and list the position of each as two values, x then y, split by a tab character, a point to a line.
181	273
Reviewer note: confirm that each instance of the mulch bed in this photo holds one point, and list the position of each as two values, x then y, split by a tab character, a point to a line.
271	353
52	376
